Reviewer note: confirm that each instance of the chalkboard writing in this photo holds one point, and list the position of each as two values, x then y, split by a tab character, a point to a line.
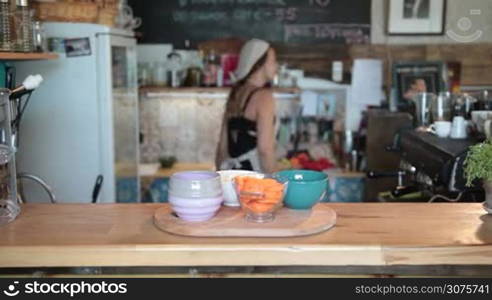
285	21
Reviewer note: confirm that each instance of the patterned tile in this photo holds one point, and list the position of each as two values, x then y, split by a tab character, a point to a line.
186	126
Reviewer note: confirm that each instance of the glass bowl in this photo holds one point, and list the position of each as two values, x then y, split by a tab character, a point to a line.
260	198
228	188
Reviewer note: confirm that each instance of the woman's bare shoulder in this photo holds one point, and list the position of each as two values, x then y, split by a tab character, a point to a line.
264	100
263	94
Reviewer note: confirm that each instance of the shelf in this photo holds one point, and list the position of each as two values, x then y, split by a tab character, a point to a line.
27	56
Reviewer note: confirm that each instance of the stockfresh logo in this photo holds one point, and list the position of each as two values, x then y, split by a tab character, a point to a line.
71	288
12	290
464	26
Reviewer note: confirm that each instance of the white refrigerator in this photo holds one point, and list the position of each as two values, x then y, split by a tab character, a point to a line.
82	121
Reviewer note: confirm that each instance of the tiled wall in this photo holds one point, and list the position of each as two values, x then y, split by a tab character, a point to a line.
186	125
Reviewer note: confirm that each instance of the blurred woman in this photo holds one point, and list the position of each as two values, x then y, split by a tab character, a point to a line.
247	138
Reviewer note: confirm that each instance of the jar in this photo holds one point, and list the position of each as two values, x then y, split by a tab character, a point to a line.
6	26
39	39
173	79
144	74
211	68
159	77
193	77
23	27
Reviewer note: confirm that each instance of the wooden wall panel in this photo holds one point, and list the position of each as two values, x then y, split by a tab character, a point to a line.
476	59
316	60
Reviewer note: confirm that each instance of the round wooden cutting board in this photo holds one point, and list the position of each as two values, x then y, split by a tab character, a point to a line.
230	222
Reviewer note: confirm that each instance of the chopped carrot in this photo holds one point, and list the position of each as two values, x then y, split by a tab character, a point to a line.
260	207
270	201
268	193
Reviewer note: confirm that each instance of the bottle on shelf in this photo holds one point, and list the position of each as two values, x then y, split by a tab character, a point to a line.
6	26
337	71
220	76
23	27
159	77
144	74
210	69
39	39
175	72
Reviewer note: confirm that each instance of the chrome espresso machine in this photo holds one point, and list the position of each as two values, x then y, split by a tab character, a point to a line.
11	111
432	167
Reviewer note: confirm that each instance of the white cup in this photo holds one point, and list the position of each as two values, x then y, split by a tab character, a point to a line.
479	117
441	128
458	128
488	128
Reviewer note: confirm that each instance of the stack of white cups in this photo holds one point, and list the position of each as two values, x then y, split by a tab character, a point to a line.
456	129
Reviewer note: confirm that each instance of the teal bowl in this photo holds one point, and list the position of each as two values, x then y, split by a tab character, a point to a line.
304	189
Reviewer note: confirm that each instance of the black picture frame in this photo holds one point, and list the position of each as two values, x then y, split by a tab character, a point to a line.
390	31
406	73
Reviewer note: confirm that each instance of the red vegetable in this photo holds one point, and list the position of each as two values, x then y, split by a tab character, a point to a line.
303	161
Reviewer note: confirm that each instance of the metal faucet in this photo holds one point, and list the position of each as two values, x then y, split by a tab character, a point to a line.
39	181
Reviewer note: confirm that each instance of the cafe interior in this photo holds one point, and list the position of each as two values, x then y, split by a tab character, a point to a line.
114	113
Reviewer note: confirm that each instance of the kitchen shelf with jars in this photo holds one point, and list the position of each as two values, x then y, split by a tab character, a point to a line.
21	36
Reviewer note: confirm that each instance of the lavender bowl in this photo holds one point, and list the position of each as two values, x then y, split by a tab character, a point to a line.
195	184
195	209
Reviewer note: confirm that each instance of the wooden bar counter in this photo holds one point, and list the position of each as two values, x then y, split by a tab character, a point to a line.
369	234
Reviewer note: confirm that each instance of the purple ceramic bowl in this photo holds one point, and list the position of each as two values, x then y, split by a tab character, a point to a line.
195	202
195	209
195	184
196	214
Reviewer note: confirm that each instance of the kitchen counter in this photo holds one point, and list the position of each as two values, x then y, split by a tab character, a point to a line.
369	234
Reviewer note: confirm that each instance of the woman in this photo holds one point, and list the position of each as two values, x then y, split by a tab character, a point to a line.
247	139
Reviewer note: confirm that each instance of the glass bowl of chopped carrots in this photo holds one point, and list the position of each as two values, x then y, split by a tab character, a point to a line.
260	198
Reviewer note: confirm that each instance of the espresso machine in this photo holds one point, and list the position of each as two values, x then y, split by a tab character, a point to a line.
430	165
11	111
9	206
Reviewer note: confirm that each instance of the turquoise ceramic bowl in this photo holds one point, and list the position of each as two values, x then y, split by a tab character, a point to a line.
304	189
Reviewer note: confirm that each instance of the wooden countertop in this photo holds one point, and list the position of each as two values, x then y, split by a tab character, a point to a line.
369	234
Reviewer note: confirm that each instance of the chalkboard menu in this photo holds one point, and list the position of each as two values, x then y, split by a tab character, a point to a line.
282	21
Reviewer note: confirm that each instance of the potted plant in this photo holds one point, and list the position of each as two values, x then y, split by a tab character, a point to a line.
478	166
167	162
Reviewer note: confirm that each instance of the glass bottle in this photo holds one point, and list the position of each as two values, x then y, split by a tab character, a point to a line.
174	66
5	26
144	75
23	27
159	77
210	70
39	39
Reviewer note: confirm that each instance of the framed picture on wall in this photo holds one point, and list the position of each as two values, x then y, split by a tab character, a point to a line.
411	78
416	17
